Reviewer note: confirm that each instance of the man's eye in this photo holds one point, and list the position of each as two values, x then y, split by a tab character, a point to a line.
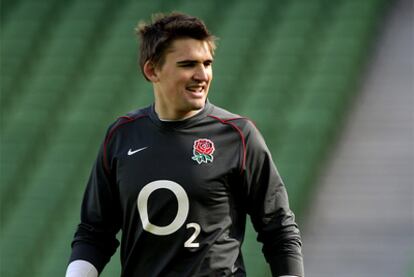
207	63
187	65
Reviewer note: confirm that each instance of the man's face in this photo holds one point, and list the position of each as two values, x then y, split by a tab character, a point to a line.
181	83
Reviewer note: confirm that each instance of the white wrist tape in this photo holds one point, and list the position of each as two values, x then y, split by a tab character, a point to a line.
81	268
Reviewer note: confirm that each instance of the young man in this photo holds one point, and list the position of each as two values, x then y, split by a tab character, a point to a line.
180	176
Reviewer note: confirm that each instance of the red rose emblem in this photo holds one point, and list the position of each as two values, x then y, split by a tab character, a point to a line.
203	150
204	146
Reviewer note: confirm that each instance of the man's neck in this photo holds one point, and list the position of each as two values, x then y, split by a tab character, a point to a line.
164	117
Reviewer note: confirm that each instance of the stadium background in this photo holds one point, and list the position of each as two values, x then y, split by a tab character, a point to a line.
69	68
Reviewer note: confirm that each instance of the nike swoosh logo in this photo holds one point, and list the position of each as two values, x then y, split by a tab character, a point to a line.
130	152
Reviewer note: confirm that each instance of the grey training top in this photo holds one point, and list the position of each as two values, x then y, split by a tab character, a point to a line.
180	192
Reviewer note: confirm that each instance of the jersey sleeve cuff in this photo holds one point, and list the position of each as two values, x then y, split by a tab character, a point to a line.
89	253
287	266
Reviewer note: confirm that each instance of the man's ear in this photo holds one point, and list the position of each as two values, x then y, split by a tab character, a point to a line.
150	72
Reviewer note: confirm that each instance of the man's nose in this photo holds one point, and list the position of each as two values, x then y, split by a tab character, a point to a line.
201	74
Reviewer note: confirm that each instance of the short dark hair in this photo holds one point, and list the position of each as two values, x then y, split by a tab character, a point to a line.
157	36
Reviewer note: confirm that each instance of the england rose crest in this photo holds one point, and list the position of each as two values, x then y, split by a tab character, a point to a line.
203	150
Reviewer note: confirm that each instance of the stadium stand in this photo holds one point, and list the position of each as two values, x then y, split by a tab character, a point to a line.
68	69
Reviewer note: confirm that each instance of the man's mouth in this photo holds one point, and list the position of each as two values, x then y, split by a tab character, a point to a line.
196	89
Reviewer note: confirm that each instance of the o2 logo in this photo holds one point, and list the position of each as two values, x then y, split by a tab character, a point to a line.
180	218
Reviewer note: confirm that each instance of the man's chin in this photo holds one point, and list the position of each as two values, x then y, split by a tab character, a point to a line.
197	104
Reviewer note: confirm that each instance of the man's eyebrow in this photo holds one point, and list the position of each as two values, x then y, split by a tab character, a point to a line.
194	61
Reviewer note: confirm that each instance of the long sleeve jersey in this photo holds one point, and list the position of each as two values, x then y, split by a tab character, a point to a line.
180	192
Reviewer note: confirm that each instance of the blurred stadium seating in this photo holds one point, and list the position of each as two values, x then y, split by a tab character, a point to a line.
68	69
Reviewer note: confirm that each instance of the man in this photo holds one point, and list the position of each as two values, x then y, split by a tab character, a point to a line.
180	176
